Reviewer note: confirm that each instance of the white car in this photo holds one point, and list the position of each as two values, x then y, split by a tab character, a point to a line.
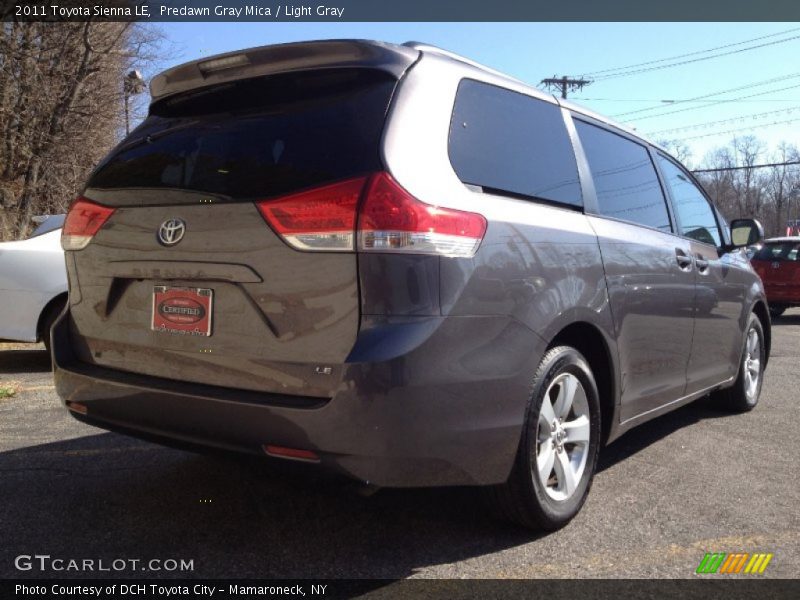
33	283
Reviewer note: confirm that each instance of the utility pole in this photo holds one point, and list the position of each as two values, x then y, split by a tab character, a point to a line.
565	83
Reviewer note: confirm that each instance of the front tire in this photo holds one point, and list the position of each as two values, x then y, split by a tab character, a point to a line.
746	390
557	454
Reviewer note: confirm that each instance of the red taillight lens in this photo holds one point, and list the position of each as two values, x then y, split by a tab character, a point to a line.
322	219
84	219
392	220
388	219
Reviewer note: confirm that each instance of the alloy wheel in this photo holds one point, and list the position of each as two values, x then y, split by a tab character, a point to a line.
562	437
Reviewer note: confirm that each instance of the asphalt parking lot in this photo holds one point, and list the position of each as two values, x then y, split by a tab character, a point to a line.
694	481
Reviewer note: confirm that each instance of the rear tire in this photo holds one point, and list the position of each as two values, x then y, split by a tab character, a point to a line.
746	390
558	450
776	310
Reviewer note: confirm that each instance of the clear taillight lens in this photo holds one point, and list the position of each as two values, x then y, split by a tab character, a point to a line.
83	221
379	212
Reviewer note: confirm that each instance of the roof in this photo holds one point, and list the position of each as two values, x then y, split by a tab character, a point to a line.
264	60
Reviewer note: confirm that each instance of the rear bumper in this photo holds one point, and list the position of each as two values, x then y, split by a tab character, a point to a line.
783	294
443	405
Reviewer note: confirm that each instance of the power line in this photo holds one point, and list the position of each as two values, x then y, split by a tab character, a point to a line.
780	164
697	137
694	60
723	121
713	103
678	56
712	94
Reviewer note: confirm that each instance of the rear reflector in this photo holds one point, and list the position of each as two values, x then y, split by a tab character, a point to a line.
77	407
84	219
293	453
384	216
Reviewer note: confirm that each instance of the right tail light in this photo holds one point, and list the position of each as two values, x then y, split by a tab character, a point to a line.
376	214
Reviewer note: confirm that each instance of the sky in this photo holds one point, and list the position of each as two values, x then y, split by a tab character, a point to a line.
533	51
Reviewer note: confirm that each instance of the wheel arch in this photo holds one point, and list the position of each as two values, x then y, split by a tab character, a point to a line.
591	343
51	305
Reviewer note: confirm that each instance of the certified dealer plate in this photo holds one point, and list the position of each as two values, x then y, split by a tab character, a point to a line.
184	311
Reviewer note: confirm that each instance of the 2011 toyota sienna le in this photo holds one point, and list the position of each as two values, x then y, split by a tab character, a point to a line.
403	266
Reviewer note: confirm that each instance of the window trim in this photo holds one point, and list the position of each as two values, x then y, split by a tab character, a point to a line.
693	180
593	207
510	193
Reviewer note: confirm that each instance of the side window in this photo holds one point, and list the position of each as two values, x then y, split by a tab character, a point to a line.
509	142
694	213
624	177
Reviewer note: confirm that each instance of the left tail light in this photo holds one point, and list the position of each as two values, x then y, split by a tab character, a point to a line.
84	220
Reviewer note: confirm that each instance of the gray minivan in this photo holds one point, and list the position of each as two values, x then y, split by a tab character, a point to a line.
403	266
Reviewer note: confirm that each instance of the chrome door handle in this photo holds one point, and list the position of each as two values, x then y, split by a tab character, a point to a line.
702	264
684	260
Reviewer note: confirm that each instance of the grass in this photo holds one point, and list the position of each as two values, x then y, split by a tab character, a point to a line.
7	390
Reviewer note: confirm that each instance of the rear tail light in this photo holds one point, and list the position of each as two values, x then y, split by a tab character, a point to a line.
376	211
392	220
322	219
84	219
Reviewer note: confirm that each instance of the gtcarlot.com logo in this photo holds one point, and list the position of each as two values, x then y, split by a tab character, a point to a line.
733	563
45	562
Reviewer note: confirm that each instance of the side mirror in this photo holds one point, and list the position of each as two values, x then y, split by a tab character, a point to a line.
746	232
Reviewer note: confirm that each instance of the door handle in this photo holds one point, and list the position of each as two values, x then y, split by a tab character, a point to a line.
702	264
683	259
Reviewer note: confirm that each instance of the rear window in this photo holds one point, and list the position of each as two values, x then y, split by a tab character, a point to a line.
778	251
508	142
257	138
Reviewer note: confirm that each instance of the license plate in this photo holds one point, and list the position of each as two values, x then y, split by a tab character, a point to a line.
184	311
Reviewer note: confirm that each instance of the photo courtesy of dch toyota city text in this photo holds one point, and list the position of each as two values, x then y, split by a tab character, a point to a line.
410	299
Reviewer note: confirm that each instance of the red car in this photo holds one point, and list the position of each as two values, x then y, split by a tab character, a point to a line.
777	262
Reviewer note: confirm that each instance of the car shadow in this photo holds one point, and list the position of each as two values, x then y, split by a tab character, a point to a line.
647	434
24	361
109	496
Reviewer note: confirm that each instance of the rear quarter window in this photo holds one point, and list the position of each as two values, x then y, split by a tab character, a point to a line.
504	141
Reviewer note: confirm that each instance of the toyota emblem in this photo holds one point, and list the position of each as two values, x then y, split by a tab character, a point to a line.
171	232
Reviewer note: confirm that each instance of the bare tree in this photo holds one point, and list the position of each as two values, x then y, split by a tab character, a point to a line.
679	149
61	108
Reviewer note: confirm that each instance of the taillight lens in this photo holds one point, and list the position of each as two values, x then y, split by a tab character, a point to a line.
322	219
386	219
84	219
392	220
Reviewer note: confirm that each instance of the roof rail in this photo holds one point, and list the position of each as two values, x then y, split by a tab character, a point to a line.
423	47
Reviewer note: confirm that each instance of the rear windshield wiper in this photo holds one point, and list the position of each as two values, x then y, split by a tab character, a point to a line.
147	139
